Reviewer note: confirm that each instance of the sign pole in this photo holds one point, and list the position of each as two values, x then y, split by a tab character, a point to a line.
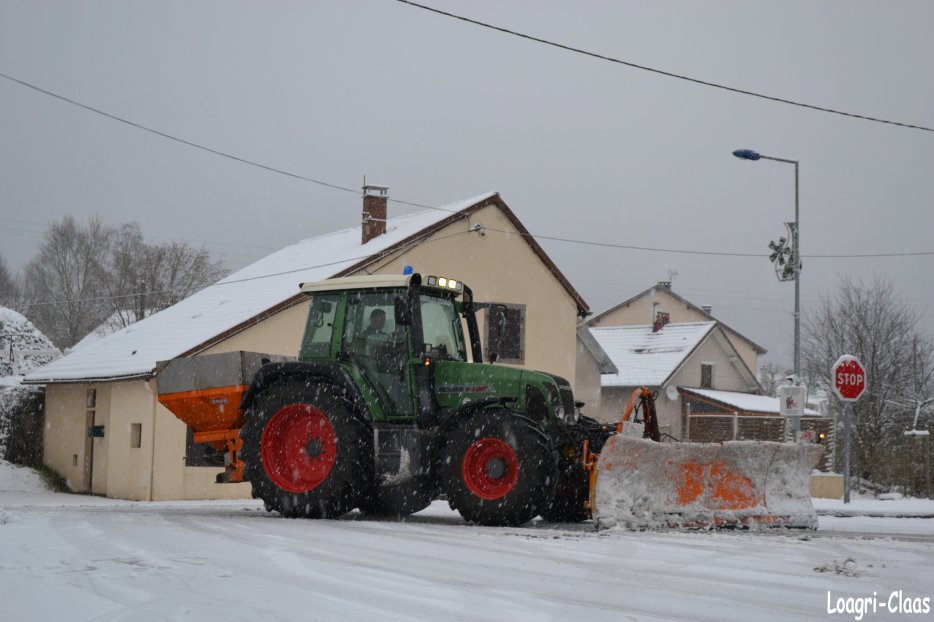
849	384
847	413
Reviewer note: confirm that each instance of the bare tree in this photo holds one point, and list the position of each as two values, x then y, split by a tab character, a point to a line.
872	323
63	285
85	275
124	280
8	286
143	279
770	377
175	270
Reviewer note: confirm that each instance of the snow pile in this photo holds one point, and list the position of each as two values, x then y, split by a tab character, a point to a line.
19	479
876	507
23	348
646	485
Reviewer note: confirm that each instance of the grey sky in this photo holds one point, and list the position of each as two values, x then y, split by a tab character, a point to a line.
440	110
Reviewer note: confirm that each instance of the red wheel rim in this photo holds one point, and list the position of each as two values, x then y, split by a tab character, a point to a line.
298	448
490	468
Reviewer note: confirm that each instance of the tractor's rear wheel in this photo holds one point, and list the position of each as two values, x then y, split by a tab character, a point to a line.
306	452
497	468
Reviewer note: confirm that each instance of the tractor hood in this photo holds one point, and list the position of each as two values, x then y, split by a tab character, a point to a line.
457	383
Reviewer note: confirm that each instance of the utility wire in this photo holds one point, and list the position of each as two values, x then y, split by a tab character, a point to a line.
668	74
422	205
193	144
708	253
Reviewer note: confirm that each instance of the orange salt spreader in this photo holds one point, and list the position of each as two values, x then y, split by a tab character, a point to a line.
205	393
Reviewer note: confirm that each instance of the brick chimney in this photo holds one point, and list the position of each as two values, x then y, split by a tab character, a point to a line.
374	211
661	318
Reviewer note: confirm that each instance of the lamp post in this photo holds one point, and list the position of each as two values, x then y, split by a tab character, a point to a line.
749	154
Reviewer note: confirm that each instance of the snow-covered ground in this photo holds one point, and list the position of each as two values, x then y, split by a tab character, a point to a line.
72	557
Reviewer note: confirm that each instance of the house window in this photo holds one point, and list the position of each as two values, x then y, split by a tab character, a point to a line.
505	333
706	375
136	435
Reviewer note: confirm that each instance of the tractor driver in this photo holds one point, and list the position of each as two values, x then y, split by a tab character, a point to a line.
389	358
377	321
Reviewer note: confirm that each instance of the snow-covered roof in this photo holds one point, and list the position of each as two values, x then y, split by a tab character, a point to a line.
746	401
666	289
234	300
108	327
646	358
604	363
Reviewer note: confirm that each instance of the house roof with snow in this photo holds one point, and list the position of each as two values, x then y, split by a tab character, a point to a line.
646	358
604	362
700	310
260	290
744	402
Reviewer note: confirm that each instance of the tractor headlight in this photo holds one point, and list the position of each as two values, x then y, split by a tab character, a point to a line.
446	283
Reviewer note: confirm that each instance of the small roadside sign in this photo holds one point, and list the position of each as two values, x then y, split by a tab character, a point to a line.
792	400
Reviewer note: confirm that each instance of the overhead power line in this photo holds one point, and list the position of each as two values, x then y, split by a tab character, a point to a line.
422	205
190	143
679	251
661	72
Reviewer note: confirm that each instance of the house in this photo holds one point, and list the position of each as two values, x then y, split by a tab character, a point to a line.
660	304
105	431
664	358
713	416
703	371
592	363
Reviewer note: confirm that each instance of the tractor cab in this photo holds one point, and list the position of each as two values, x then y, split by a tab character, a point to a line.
389	330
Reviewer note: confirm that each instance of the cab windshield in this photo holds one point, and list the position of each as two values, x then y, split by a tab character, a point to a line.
441	326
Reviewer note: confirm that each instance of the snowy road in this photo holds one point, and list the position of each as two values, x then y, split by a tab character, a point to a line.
97	559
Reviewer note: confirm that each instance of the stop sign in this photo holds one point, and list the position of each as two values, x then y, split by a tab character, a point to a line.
849	378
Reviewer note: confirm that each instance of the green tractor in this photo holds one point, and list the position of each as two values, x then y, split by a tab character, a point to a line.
389	406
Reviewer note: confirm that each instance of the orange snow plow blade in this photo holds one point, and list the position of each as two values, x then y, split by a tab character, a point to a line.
643	484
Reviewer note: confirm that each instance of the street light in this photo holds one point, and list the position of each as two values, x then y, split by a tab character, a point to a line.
749	154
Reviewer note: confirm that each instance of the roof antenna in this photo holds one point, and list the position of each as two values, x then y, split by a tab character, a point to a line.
671	278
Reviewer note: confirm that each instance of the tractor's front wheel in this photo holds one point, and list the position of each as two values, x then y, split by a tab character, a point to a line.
306	452
497	468
572	491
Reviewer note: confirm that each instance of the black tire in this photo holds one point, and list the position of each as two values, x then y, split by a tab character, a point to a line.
306	452
497	468
400	500
572	491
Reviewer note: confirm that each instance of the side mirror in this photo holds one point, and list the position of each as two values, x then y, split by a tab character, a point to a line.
403	312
